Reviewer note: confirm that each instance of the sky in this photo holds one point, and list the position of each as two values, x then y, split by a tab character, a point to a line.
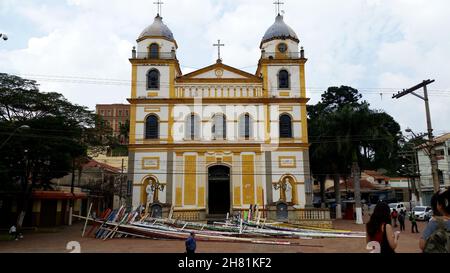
80	48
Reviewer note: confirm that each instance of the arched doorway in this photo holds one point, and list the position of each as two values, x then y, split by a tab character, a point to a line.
219	190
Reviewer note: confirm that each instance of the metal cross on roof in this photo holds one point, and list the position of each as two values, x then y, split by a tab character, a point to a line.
159	5
218	48
278	4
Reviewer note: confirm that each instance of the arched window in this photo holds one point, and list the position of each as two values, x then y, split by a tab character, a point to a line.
246	127
153	79
192	125
154	51
285	126
152	127
219	127
283	79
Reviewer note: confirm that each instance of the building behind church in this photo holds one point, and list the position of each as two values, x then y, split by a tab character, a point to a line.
219	139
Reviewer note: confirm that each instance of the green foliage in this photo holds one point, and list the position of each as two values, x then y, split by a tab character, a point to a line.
343	128
60	133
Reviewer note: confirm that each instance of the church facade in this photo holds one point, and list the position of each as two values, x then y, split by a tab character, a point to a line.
218	140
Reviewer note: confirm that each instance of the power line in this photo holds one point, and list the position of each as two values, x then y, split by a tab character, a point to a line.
110	81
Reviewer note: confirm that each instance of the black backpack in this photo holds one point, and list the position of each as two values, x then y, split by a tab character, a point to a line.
439	241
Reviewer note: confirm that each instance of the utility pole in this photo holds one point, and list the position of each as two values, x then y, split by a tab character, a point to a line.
431	141
72	185
356	172
121	180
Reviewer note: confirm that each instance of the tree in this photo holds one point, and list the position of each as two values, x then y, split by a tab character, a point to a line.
59	135
344	131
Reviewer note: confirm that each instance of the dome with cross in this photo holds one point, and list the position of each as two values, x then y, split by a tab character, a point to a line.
157	29
280	31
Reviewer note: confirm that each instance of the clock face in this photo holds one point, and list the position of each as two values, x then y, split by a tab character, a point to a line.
282	48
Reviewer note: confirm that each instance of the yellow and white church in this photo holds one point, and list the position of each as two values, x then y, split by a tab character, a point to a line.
219	139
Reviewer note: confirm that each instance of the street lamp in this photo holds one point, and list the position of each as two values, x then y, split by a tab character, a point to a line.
23	127
155	187
282	186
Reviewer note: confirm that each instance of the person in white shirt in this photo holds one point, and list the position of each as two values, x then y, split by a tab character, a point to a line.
13	232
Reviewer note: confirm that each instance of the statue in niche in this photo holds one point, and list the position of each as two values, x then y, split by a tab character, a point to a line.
150	194
288	191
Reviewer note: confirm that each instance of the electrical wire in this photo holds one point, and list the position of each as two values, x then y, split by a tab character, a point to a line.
123	82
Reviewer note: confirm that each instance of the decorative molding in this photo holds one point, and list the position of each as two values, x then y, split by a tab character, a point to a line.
222	101
152	109
150	163
287	162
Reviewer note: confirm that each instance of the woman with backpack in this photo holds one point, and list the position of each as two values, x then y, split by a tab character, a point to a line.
436	237
379	229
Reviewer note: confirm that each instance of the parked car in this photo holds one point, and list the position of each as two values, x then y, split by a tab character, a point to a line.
423	213
397	206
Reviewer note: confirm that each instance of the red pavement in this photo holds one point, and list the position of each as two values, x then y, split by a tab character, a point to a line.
56	242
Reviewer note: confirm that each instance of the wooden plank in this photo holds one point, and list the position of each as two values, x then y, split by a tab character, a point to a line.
85	223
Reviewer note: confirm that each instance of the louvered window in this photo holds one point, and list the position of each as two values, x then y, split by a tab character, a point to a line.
153	79
219	127
245	127
154	51
152	127
285	126
192	125
283	79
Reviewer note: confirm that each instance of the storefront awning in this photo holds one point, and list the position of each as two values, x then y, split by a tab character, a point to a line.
58	195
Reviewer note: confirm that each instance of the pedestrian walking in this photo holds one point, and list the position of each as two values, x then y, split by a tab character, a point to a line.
379	229
191	244
13	233
401	220
412	218
436	236
394	216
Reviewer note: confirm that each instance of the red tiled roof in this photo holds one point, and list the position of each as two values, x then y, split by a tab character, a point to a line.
442	138
95	164
364	184
375	174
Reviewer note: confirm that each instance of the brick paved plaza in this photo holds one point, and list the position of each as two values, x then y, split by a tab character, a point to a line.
56	241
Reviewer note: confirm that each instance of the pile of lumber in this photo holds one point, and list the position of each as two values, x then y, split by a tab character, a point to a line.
121	223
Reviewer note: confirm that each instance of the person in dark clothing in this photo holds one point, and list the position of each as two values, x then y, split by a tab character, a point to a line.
412	218
394	216
191	244
401	220
379	229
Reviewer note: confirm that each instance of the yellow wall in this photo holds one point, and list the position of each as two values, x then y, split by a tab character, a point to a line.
132	124
134	81
179	197
302	81
144	192
237	196
190	170
259	195
248	178
201	197
304	124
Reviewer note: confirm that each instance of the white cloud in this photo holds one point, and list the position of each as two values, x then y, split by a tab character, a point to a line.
372	43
